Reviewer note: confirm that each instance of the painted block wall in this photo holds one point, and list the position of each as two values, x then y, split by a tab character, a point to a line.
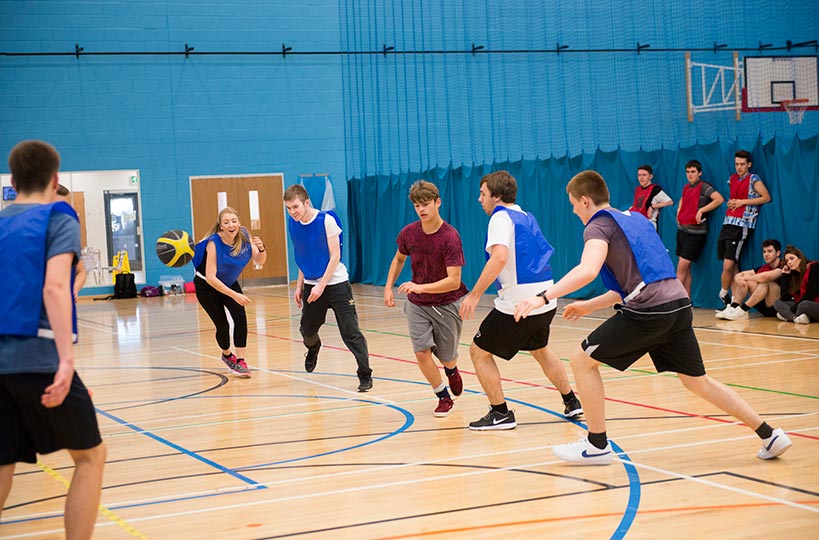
173	117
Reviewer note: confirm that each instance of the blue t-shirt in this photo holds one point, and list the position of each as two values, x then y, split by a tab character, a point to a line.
34	354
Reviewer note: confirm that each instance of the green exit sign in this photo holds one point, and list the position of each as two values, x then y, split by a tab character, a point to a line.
134	179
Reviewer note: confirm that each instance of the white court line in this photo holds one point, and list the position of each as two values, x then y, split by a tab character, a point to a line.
760	355
231	422
234	412
710	368
295	378
386	485
721	486
750	335
359	472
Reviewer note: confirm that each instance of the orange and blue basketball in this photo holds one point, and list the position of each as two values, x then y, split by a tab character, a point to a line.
175	248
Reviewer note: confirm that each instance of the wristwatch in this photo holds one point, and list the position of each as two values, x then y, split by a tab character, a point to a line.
543	295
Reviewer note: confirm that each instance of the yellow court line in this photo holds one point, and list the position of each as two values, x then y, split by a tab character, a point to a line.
103	510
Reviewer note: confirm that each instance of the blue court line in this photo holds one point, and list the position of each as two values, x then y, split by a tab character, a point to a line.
409	419
184	451
619	533
634	490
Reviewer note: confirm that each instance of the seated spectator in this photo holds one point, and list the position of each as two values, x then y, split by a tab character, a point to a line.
803	286
760	286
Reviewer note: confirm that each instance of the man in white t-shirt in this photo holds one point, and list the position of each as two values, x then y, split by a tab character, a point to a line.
323	282
518	260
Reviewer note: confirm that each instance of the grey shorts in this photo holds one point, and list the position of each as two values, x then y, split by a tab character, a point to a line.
435	327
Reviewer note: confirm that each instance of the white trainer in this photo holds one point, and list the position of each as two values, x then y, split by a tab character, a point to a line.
781	317
775	445
802	319
735	314
583	452
726	313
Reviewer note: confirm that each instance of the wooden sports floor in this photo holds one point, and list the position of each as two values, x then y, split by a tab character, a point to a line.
194	452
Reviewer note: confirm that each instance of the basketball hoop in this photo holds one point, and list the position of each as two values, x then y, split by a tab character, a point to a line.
795	109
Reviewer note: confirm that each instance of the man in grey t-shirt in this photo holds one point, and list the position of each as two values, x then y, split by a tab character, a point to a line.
653	317
698	198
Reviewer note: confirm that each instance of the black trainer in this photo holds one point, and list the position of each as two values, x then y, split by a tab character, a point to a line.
311	357
494	420
573	408
365	384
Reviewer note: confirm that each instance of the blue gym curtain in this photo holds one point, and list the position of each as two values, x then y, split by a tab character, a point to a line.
790	170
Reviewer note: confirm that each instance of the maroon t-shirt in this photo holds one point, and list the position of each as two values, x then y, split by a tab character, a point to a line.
430	255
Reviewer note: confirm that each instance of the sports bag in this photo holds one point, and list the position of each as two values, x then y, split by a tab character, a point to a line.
149	290
125	286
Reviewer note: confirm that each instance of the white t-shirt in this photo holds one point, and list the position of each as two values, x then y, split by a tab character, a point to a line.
654	213
332	228
502	232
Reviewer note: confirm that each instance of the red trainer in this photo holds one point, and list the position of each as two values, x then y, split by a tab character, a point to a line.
444	406
456	384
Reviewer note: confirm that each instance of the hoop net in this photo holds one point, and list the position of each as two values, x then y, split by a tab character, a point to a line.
795	109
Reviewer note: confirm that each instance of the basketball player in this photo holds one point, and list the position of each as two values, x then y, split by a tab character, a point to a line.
323	282
653	316
44	405
518	258
219	260
433	292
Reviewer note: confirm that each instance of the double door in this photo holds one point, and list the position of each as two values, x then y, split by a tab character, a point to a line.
258	200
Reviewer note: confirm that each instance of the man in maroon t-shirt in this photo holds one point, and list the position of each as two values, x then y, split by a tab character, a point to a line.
433	293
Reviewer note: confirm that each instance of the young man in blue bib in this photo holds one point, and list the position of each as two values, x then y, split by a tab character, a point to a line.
518	261
653	317
323	282
44	405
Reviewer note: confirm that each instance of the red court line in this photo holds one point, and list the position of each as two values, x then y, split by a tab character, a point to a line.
534	385
584	516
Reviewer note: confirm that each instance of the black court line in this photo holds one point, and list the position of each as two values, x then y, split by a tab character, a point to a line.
223	380
516	501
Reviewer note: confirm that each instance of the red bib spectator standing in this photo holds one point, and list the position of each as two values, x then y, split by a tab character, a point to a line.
747	193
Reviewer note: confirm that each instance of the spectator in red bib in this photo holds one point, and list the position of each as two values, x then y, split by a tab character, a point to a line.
747	193
648	197
698	198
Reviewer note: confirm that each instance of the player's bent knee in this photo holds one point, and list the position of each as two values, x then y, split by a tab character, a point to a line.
579	359
694	384
93	456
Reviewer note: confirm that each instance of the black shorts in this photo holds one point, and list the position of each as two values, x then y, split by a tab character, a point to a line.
690	246
29	428
500	335
766	310
731	240
664	332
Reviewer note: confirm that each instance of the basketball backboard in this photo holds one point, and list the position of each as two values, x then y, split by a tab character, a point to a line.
770	80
